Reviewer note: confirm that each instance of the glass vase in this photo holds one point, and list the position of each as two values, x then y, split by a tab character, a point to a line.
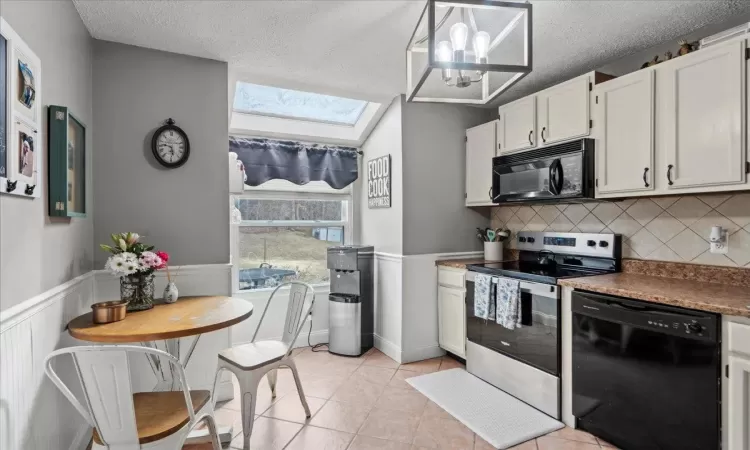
138	291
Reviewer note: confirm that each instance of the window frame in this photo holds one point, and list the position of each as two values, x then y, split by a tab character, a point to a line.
347	225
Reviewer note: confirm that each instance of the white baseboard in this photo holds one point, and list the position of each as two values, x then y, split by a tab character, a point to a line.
420	354
389	348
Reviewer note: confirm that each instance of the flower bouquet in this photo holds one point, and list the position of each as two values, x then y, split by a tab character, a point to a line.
135	264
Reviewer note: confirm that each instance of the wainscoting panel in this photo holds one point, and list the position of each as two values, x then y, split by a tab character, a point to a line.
674	228
388	308
420	310
33	414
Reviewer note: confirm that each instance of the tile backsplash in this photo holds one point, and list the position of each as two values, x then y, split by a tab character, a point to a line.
674	228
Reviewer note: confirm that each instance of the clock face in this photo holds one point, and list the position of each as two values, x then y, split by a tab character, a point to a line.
170	146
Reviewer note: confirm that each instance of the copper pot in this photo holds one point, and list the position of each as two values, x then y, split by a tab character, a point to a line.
106	312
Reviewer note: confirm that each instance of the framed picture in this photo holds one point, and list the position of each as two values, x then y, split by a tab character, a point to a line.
21	135
379	182
25	153
67	163
4	107
26	86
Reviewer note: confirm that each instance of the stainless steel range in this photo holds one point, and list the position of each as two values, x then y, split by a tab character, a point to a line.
525	362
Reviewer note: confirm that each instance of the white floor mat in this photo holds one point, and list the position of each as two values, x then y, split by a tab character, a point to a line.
499	418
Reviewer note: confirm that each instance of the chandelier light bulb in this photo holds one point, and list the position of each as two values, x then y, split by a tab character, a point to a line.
481	46
444	51
459	33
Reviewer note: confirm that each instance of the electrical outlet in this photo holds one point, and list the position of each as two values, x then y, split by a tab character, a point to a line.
720	248
719	239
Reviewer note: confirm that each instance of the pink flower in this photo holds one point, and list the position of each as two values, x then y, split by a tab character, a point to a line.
150	260
164	259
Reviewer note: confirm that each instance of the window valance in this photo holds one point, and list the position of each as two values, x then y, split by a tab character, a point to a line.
297	162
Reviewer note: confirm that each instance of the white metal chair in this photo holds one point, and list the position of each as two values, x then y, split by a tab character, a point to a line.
250	362
123	420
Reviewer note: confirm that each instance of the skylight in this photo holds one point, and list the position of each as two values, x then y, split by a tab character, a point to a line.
278	102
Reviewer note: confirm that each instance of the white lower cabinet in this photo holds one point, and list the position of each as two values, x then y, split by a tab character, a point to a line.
737	384
452	312
739	403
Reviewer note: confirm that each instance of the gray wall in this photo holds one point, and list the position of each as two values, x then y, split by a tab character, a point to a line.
436	219
183	211
36	252
383	227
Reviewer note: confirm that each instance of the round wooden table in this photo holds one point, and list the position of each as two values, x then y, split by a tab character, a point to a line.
167	323
190	316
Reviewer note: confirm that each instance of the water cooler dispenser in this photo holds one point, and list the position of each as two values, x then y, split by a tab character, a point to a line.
351	303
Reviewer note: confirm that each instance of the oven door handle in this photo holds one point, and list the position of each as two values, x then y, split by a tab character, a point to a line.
527	287
541	290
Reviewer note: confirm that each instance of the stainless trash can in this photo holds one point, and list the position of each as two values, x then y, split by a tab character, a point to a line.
345	324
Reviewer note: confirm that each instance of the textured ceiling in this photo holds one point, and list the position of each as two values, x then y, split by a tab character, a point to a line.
356	48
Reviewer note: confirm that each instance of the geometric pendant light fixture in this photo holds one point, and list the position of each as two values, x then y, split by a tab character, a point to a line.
468	51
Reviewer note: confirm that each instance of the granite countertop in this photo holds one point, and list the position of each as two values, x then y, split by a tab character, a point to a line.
730	299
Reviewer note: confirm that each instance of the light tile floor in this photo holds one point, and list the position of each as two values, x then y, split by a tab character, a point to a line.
362	404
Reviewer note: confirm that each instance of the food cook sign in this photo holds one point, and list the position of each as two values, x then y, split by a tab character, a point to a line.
379	182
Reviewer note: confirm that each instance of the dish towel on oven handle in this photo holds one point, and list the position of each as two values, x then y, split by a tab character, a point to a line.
484	296
508	302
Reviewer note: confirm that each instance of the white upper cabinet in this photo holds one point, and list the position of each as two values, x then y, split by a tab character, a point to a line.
624	117
481	142
518	125
701	100
564	111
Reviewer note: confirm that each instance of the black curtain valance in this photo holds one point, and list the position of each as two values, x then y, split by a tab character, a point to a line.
298	162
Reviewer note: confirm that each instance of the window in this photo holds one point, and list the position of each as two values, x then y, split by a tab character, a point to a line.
278	102
284	235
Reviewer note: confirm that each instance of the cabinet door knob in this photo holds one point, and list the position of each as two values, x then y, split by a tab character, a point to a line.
669	174
543	130
645	173
530	133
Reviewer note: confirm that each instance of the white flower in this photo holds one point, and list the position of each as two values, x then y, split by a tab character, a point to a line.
122	264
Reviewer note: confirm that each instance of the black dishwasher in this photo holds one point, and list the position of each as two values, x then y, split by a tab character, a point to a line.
646	376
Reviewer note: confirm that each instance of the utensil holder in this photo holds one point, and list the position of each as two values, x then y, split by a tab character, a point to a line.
493	251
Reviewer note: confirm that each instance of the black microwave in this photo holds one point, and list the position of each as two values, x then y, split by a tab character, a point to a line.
562	172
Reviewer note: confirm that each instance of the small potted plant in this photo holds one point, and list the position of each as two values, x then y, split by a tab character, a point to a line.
135	263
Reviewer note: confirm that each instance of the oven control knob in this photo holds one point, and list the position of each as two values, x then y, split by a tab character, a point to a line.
603	244
521	239
530	240
694	328
591	243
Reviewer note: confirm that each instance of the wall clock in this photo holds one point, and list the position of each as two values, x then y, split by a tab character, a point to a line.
170	145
